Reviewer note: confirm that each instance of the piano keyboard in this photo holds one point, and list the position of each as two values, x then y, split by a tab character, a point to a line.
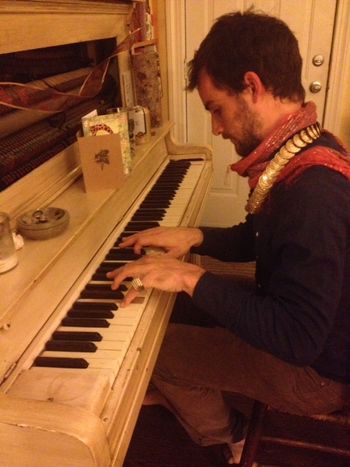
95	334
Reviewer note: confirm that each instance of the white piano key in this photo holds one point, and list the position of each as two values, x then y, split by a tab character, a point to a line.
110	344
105	354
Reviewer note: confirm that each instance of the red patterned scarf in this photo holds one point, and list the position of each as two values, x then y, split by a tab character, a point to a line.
253	165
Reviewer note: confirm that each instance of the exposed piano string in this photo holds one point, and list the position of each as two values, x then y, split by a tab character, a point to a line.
26	149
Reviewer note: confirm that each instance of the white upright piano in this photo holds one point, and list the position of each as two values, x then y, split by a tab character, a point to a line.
70	392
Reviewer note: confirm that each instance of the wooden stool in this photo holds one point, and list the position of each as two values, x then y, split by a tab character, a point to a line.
277	438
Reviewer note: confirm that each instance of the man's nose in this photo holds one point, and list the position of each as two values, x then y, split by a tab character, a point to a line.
216	128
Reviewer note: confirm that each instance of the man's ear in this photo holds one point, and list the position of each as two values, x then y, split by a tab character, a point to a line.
253	85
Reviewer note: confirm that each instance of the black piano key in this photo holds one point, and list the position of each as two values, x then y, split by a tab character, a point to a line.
104	287
110	265
173	181
157	202
166	187
181	163
70	346
115	253
94	293
95	305
171	178
140	225
102	291
192	159
151	204
161	194
155	211
125	253
85	322
77	336
90	314
100	276
165	190
128	232
152	215
173	174
59	362
175	168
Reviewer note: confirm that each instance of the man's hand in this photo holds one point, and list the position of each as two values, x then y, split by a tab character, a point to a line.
159	272
174	241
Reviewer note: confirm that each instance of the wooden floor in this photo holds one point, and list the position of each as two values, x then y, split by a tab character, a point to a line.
160	441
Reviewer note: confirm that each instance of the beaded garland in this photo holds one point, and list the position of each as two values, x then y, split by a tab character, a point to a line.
267	179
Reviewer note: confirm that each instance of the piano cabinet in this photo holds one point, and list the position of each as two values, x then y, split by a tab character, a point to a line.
81	416
33	24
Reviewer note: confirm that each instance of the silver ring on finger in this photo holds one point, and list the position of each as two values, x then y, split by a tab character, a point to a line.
137	284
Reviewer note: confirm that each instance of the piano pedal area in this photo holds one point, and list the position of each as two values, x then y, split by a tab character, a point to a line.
80	361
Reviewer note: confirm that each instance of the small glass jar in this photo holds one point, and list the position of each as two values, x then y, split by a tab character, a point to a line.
8	255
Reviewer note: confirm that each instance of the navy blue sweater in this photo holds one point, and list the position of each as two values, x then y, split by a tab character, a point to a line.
300	311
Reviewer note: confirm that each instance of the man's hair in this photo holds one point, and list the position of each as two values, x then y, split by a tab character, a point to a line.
249	41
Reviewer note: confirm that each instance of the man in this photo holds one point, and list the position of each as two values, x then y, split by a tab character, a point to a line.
287	342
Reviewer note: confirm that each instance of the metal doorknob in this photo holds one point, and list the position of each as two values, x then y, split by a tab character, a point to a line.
315	87
318	60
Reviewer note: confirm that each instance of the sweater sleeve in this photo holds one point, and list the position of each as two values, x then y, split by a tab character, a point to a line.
301	264
229	244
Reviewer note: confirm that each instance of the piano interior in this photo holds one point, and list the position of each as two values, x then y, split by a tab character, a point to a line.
74	366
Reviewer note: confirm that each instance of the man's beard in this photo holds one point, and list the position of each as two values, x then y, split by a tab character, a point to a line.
250	138
247	146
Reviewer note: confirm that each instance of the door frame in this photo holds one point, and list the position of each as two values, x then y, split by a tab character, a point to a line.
335	98
339	72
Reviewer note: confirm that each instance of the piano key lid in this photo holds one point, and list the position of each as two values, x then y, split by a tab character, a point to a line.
44	223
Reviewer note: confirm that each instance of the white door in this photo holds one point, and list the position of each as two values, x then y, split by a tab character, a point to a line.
311	21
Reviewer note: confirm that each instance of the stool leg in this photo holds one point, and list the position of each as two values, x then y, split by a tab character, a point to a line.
253	434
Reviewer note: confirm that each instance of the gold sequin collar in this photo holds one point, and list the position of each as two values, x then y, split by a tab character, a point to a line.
267	179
